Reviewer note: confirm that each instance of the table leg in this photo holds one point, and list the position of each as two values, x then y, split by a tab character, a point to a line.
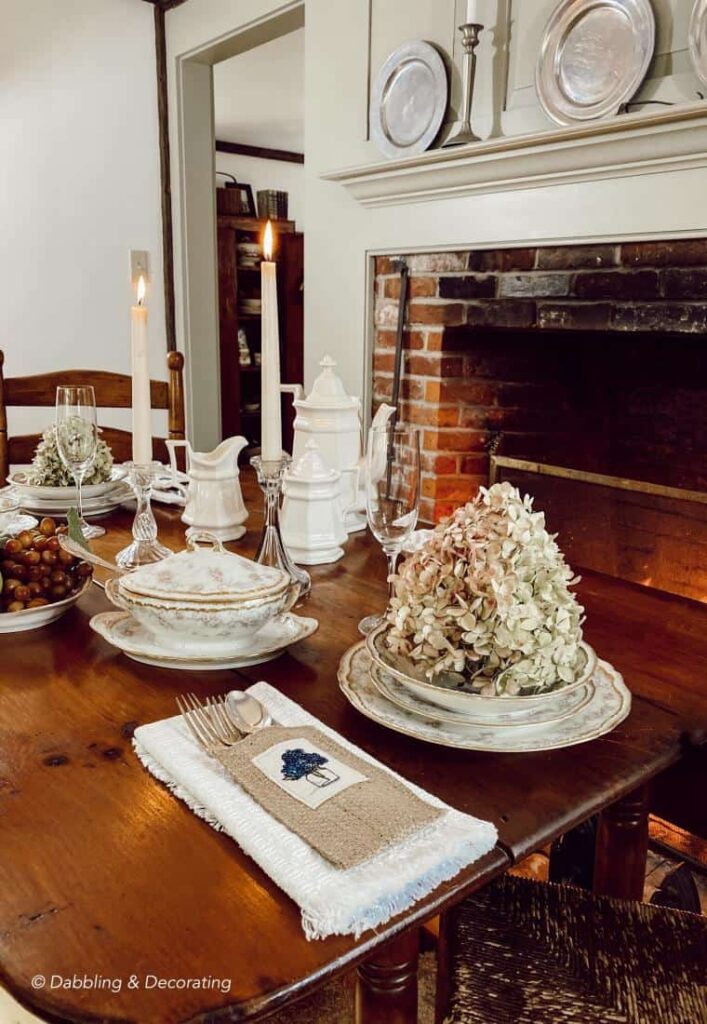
386	987
622	846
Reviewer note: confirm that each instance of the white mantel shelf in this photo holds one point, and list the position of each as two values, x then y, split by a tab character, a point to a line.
632	144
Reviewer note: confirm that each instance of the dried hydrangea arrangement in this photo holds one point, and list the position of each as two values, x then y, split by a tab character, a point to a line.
48	470
488	596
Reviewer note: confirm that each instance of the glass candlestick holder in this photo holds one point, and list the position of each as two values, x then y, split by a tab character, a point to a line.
271	550
145	547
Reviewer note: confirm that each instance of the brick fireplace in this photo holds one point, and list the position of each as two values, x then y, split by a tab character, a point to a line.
587	356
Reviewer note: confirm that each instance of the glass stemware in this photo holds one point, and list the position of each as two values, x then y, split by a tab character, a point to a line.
77	439
392	495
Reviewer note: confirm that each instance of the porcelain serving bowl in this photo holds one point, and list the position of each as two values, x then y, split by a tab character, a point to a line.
33	618
448	692
203	599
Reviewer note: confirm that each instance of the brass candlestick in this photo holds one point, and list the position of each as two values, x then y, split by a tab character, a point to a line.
462	131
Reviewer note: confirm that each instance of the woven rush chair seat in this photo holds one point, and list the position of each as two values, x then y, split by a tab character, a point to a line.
527	952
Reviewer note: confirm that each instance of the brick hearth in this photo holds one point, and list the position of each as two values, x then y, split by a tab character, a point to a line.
503	341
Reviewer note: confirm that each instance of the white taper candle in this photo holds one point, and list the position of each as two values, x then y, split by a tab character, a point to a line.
142	426
271	424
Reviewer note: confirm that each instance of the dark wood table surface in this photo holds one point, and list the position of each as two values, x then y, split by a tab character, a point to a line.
104	873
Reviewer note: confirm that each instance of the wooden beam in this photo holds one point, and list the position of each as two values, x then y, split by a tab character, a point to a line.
166	190
242	149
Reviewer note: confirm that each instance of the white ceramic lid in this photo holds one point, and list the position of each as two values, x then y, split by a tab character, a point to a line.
312	467
205	574
328	389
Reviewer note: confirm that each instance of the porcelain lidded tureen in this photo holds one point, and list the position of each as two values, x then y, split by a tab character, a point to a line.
203	597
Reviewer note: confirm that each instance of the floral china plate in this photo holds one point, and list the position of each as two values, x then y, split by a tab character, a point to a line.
609	705
448	690
566	704
121	630
18	479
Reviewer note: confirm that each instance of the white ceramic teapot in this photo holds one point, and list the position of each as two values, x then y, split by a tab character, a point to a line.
214	498
332	419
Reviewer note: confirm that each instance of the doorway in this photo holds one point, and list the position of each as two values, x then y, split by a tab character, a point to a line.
197	267
259	154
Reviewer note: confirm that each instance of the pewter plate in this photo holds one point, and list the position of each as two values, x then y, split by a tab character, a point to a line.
409	100
593	57
697	39
609	705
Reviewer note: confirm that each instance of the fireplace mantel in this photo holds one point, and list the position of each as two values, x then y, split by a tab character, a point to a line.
633	144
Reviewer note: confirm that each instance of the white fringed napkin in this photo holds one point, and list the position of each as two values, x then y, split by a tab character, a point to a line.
332	901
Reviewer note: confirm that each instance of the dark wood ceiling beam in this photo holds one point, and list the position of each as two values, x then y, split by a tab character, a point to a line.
263	152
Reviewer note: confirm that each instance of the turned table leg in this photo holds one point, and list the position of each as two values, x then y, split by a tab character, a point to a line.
386	987
622	846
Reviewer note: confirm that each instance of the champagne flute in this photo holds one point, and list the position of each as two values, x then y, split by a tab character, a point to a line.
77	440
392	495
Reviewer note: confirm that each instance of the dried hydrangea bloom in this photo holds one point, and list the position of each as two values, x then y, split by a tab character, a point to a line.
48	470
488	595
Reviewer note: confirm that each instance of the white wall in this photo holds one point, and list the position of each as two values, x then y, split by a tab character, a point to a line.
259	174
79	185
341	234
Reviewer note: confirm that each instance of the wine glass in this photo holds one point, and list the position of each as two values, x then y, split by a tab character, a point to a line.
77	439
392	495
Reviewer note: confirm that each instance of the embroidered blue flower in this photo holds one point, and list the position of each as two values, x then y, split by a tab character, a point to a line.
296	764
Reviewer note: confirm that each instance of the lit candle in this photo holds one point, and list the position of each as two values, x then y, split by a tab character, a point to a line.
271	440
142	426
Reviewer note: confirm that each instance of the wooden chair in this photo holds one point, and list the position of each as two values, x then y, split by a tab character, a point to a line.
113	391
527	952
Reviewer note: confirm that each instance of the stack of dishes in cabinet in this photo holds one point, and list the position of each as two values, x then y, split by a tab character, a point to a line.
203	608
396	692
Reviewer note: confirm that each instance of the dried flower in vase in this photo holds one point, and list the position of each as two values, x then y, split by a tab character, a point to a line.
488	596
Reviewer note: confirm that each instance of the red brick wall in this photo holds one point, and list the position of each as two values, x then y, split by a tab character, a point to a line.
532	343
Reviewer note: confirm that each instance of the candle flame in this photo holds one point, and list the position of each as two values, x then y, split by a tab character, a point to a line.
267	241
141	291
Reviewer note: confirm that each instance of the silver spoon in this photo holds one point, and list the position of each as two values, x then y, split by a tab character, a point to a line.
85	555
248	710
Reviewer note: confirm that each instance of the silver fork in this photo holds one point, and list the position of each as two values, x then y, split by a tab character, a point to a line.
211	724
220	721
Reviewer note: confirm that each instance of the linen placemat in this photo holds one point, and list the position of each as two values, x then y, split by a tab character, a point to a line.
333	901
346	809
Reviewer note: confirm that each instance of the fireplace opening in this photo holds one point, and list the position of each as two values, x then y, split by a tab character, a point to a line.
587	358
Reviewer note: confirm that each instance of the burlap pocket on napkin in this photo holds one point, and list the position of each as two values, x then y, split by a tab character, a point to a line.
351	826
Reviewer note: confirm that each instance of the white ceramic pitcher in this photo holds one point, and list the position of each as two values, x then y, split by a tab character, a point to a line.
214	498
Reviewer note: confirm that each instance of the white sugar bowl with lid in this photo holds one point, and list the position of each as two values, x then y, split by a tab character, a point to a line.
204	598
312	521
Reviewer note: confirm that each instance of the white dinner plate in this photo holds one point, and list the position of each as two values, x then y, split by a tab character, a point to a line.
121	630
609	705
538	715
68	495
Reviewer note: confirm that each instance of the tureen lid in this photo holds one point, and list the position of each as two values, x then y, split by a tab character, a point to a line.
328	388
205	574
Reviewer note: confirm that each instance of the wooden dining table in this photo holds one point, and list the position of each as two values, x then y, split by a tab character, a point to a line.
118	904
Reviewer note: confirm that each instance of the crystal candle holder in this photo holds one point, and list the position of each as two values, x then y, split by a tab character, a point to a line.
145	547
271	550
